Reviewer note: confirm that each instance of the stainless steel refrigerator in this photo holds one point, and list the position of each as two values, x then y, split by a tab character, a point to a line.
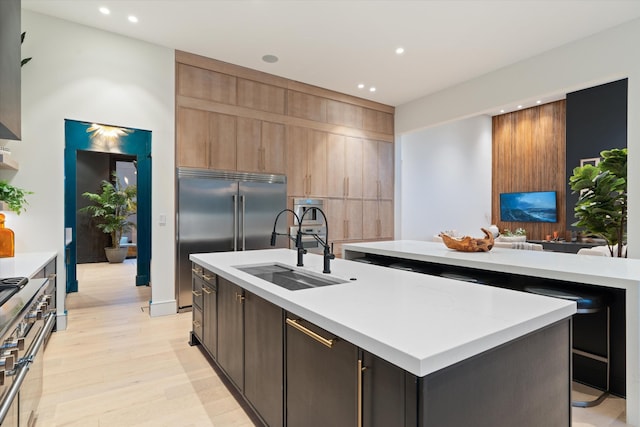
224	211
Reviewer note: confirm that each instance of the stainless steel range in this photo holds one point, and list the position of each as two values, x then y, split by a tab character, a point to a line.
27	317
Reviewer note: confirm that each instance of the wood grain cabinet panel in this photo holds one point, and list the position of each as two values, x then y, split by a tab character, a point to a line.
206	84
377	222
274	148
249	146
344	166
341	113
260	96
192	138
222	141
306	162
378	121
378	169
230	331
345	219
307	106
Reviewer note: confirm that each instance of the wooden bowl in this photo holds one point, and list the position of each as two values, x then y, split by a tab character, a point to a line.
468	243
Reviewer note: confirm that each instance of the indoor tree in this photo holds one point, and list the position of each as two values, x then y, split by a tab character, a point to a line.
602	203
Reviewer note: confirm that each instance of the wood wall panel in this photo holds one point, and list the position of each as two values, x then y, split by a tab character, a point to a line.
529	155
378	121
307	106
341	113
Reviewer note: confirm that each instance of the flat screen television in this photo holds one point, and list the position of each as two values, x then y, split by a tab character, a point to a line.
532	206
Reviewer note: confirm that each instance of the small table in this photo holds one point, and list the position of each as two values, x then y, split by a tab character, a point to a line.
564	246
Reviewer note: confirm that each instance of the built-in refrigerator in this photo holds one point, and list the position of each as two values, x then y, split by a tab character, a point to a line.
224	211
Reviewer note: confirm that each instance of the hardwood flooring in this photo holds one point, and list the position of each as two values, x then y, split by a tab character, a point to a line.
116	366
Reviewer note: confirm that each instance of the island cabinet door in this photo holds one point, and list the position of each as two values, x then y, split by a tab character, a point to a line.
264	358
210	317
230	331
321	377
389	394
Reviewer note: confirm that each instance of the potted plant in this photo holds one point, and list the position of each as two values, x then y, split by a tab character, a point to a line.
111	209
520	235
13	197
602	203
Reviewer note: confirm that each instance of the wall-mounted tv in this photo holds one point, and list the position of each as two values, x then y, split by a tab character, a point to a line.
532	206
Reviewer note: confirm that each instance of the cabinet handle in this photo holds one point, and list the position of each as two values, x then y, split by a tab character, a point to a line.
196	324
379	227
206	291
379	191
361	369
207	277
196	294
196	270
309	192
347	187
322	340
239	297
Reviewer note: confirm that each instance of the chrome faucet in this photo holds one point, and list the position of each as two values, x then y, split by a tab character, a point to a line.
328	252
297	240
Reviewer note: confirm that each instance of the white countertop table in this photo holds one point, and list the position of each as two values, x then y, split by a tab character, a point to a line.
420	323
620	273
25	264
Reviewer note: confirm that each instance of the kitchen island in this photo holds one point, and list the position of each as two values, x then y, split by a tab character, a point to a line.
459	354
620	277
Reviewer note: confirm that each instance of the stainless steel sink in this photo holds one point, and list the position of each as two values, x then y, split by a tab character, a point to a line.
289	278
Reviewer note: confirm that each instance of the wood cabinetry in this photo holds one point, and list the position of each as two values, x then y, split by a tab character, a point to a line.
261	146
346	221
204	309
230	331
306	162
321	381
10	93
344	166
205	140
378	169
377	219
389	394
264	358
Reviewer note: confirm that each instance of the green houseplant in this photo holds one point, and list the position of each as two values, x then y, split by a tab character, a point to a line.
602	203
111	209
14	197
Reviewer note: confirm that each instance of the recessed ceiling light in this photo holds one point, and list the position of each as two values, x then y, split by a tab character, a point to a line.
132	18
400	51
372	89
502	111
360	85
538	102
519	106
270	59
104	11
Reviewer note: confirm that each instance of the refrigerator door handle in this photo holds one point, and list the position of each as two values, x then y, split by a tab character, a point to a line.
242	202
235	222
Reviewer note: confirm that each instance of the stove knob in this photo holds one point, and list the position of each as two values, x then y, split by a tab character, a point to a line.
33	316
13	343
6	362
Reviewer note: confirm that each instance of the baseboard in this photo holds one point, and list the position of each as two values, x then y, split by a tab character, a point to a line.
163	308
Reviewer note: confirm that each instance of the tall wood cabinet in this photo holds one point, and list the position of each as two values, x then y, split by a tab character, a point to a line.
329	145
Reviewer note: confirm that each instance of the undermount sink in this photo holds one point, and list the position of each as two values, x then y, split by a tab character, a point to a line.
288	278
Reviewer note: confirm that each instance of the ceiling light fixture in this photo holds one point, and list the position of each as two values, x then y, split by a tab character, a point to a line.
133	19
360	85
519	106
399	51
538	101
270	59
104	11
372	89
502	111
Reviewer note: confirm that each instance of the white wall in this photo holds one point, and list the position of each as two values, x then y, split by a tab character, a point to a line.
90	75
598	59
445	179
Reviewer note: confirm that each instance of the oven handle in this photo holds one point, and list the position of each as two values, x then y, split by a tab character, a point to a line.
24	367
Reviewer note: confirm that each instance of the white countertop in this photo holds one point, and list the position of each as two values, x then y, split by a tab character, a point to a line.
418	322
620	273
25	264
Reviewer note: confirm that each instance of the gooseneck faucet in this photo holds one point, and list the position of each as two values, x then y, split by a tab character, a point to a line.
297	240
328	255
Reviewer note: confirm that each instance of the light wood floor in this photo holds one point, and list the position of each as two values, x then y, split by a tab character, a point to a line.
115	366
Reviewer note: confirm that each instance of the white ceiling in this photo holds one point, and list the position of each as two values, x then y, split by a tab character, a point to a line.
337	44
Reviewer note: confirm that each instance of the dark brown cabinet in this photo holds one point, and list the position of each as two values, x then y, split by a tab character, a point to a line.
321	377
264	358
230	331
389	394
10	81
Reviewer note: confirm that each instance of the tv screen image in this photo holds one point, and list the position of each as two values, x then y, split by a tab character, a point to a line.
533	206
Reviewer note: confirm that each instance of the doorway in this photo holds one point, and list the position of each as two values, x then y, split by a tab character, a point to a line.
128	150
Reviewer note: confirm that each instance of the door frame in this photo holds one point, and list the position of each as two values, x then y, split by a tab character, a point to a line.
135	142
